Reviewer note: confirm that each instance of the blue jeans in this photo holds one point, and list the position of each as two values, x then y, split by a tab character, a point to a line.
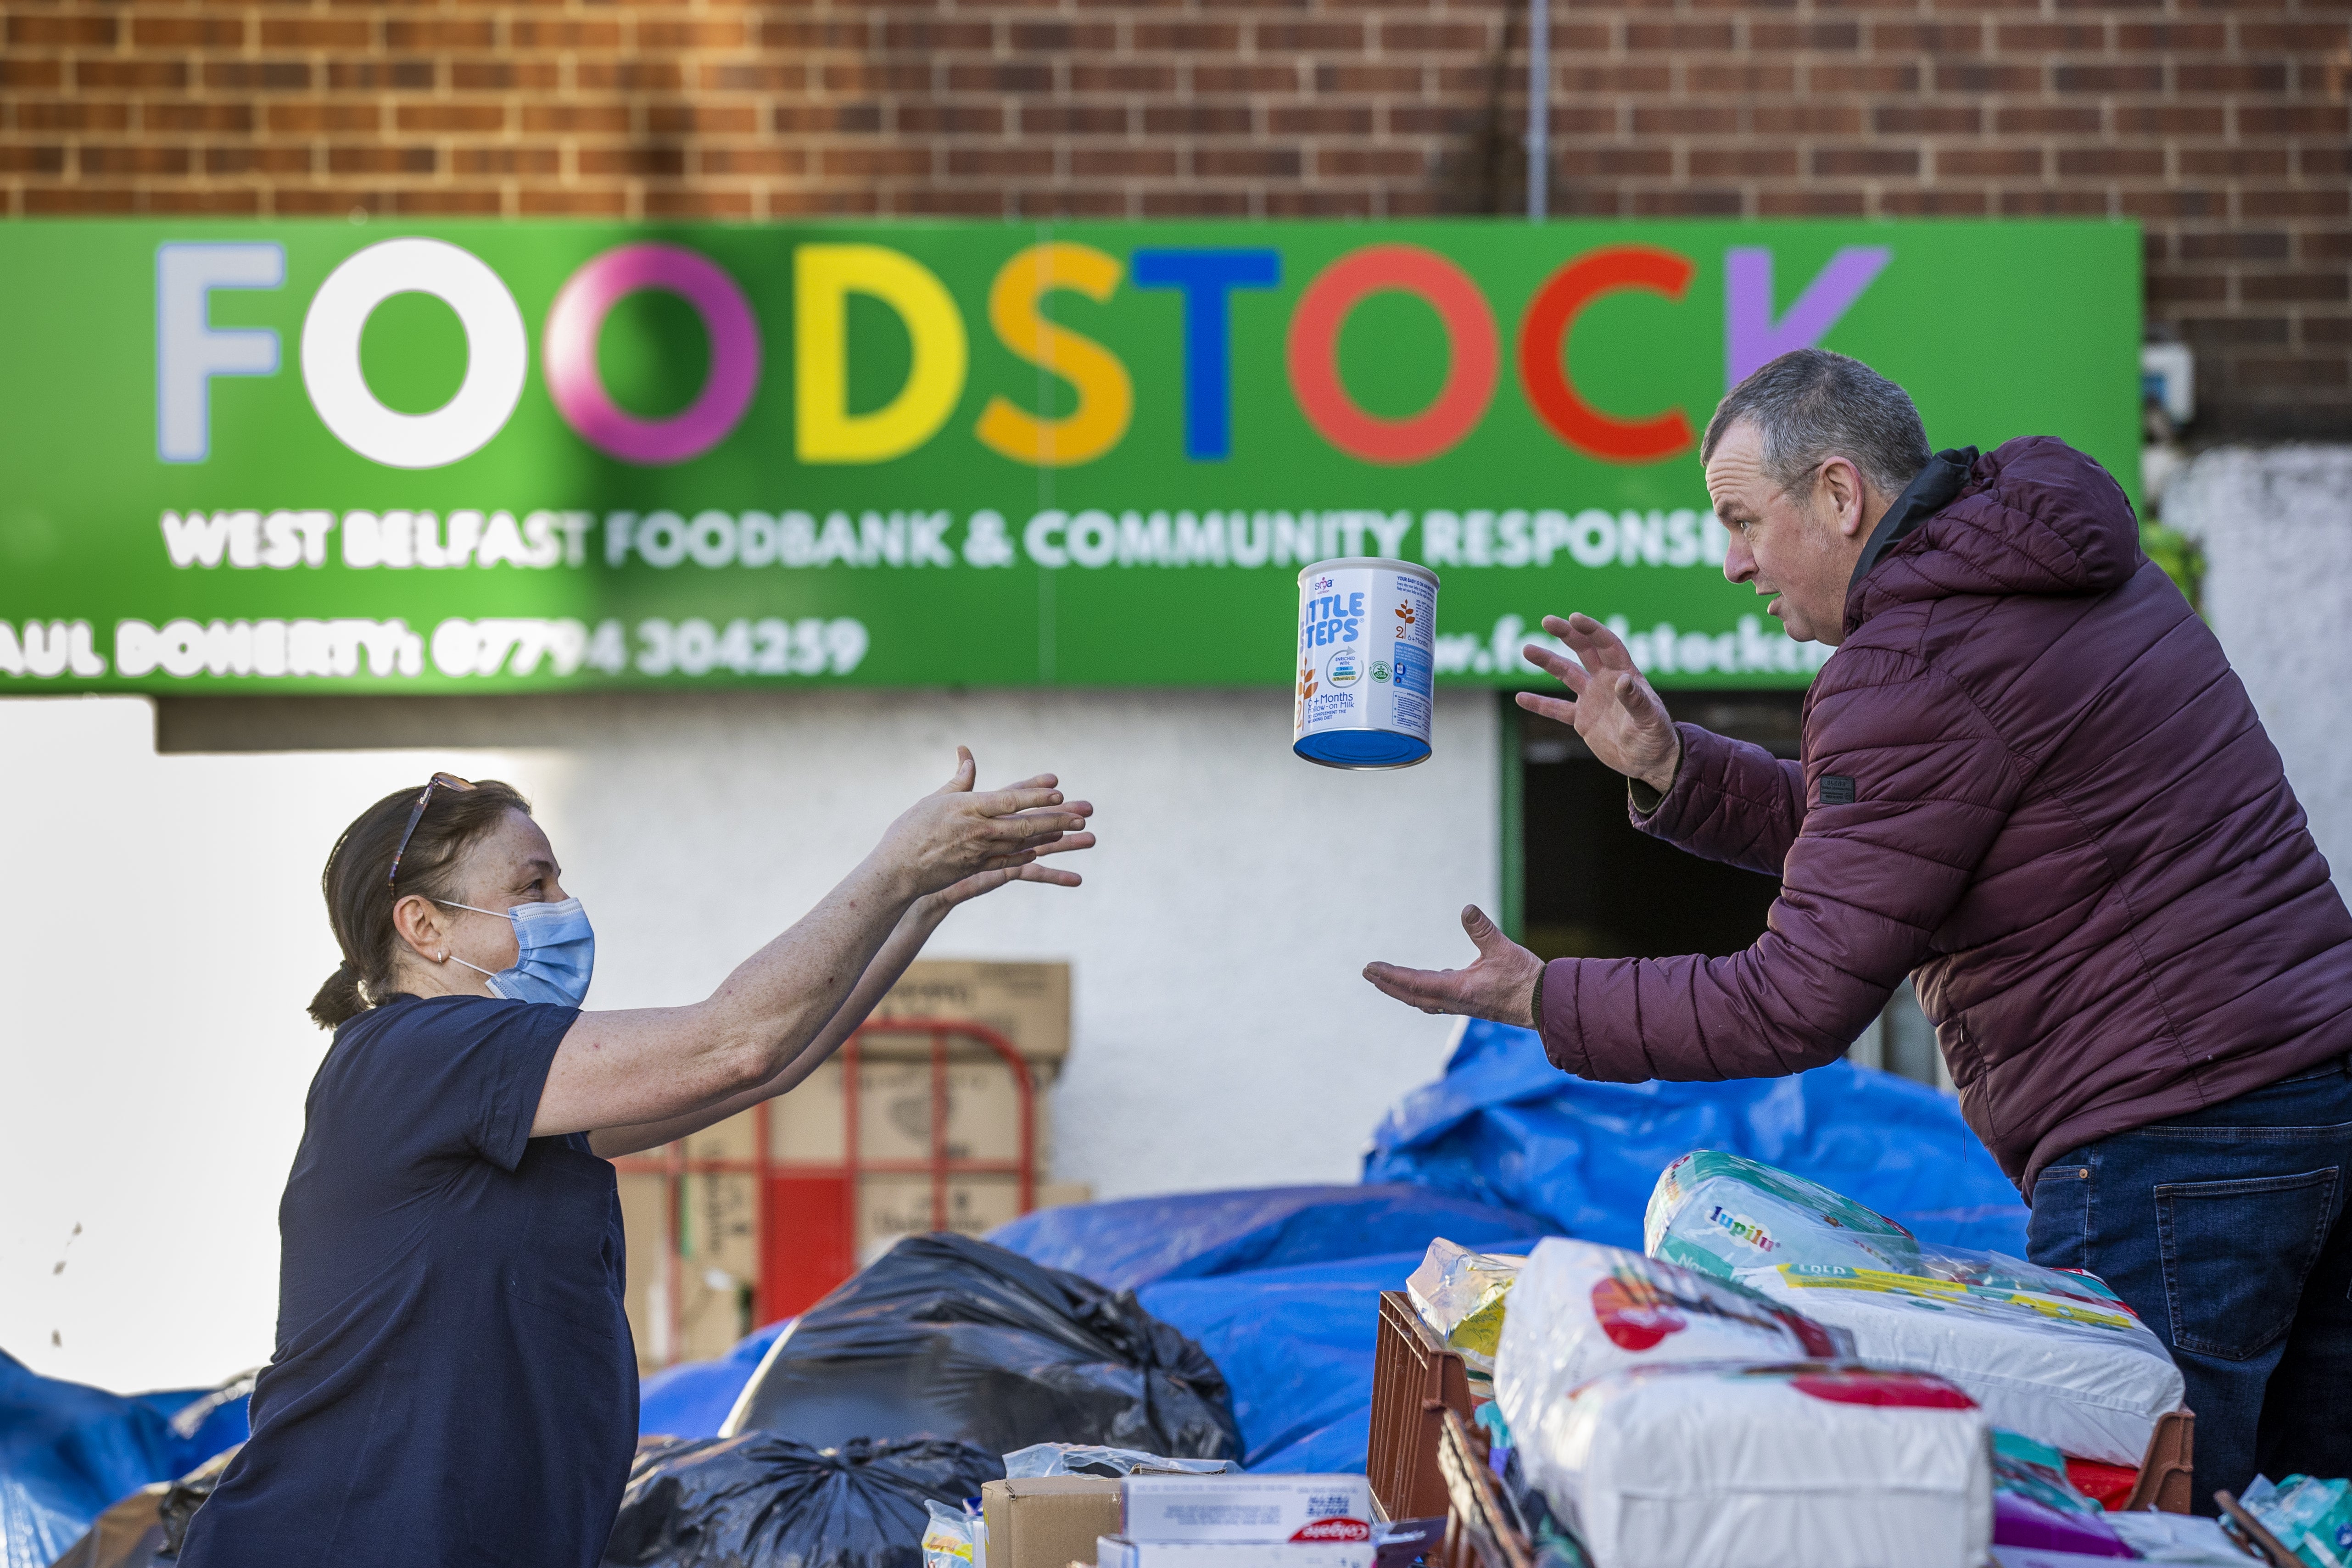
2227	1231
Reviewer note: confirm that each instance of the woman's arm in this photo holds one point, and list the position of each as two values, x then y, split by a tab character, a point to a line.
903	945
656	1064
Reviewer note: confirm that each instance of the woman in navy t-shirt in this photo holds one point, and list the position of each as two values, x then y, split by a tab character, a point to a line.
454	1382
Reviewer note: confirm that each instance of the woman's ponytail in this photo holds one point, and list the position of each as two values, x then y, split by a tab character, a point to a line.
339	999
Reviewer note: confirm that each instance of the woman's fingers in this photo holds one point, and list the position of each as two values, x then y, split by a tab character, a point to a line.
998	835
967	770
1067	841
1009	803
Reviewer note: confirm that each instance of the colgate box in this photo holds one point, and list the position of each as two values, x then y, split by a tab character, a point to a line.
1238	1509
1113	1552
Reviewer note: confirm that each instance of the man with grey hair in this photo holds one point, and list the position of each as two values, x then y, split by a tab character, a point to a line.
2031	782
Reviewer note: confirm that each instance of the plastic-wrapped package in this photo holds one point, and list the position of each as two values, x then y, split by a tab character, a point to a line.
2020	1521
1720	1213
1714	1465
1085	1459
2052	1355
2311	1518
1461	1295
2035	1471
1579	1311
2178	1537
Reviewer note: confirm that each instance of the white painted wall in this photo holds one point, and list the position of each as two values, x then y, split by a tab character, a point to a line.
2276	525
162	932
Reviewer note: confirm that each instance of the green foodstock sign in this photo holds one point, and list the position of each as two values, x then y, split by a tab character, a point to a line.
520	458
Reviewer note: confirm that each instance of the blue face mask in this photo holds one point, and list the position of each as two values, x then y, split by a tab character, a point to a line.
555	953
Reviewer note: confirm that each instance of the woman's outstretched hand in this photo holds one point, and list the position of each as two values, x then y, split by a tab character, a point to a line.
957	842
1499	985
1611	709
980	882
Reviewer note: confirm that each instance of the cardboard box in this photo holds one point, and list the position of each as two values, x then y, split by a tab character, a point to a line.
1115	1551
717	1265
1028	1004
1047	1521
1062	1194
893	1113
890	1207
1246	1509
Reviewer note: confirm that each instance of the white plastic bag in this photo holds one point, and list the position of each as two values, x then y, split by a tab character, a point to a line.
1581	1310
1461	1295
1698	1465
2054	1355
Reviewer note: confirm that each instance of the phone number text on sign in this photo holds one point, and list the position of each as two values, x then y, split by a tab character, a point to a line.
694	646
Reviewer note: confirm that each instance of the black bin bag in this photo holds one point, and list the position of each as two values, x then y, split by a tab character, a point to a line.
944	1336
763	1501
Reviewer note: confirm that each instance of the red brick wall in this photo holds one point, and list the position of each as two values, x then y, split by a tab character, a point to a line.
2221	127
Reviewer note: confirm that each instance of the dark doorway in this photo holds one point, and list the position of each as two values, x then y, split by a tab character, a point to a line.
1593	886
1597	888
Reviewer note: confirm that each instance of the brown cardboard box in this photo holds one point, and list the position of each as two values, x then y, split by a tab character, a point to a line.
1029	1004
893	1113
717	1266
889	1206
1049	1521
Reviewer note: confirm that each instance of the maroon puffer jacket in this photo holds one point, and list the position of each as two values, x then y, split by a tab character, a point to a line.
2064	822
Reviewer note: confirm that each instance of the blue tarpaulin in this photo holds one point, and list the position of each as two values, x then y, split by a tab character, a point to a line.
692	1399
1134	1241
68	1451
1505	1127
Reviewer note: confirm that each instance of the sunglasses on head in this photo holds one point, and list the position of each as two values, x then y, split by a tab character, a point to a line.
449	781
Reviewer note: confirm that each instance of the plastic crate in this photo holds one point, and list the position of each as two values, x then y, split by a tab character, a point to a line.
1415	1381
2167	1468
1480	1530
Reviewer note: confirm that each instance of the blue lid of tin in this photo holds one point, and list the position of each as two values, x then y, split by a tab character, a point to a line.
1362	748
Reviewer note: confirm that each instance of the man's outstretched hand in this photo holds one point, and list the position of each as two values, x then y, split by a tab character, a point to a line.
1609	706
1499	985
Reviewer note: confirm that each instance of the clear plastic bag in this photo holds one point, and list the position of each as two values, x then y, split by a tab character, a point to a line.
1084	1460
1462	1295
948	1538
2053	1354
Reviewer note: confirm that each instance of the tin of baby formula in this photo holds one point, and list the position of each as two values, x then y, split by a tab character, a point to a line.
1367	628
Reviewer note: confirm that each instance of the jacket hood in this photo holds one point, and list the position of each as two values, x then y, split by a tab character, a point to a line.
2036	516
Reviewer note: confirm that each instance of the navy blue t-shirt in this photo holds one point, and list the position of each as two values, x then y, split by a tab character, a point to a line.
454	1382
